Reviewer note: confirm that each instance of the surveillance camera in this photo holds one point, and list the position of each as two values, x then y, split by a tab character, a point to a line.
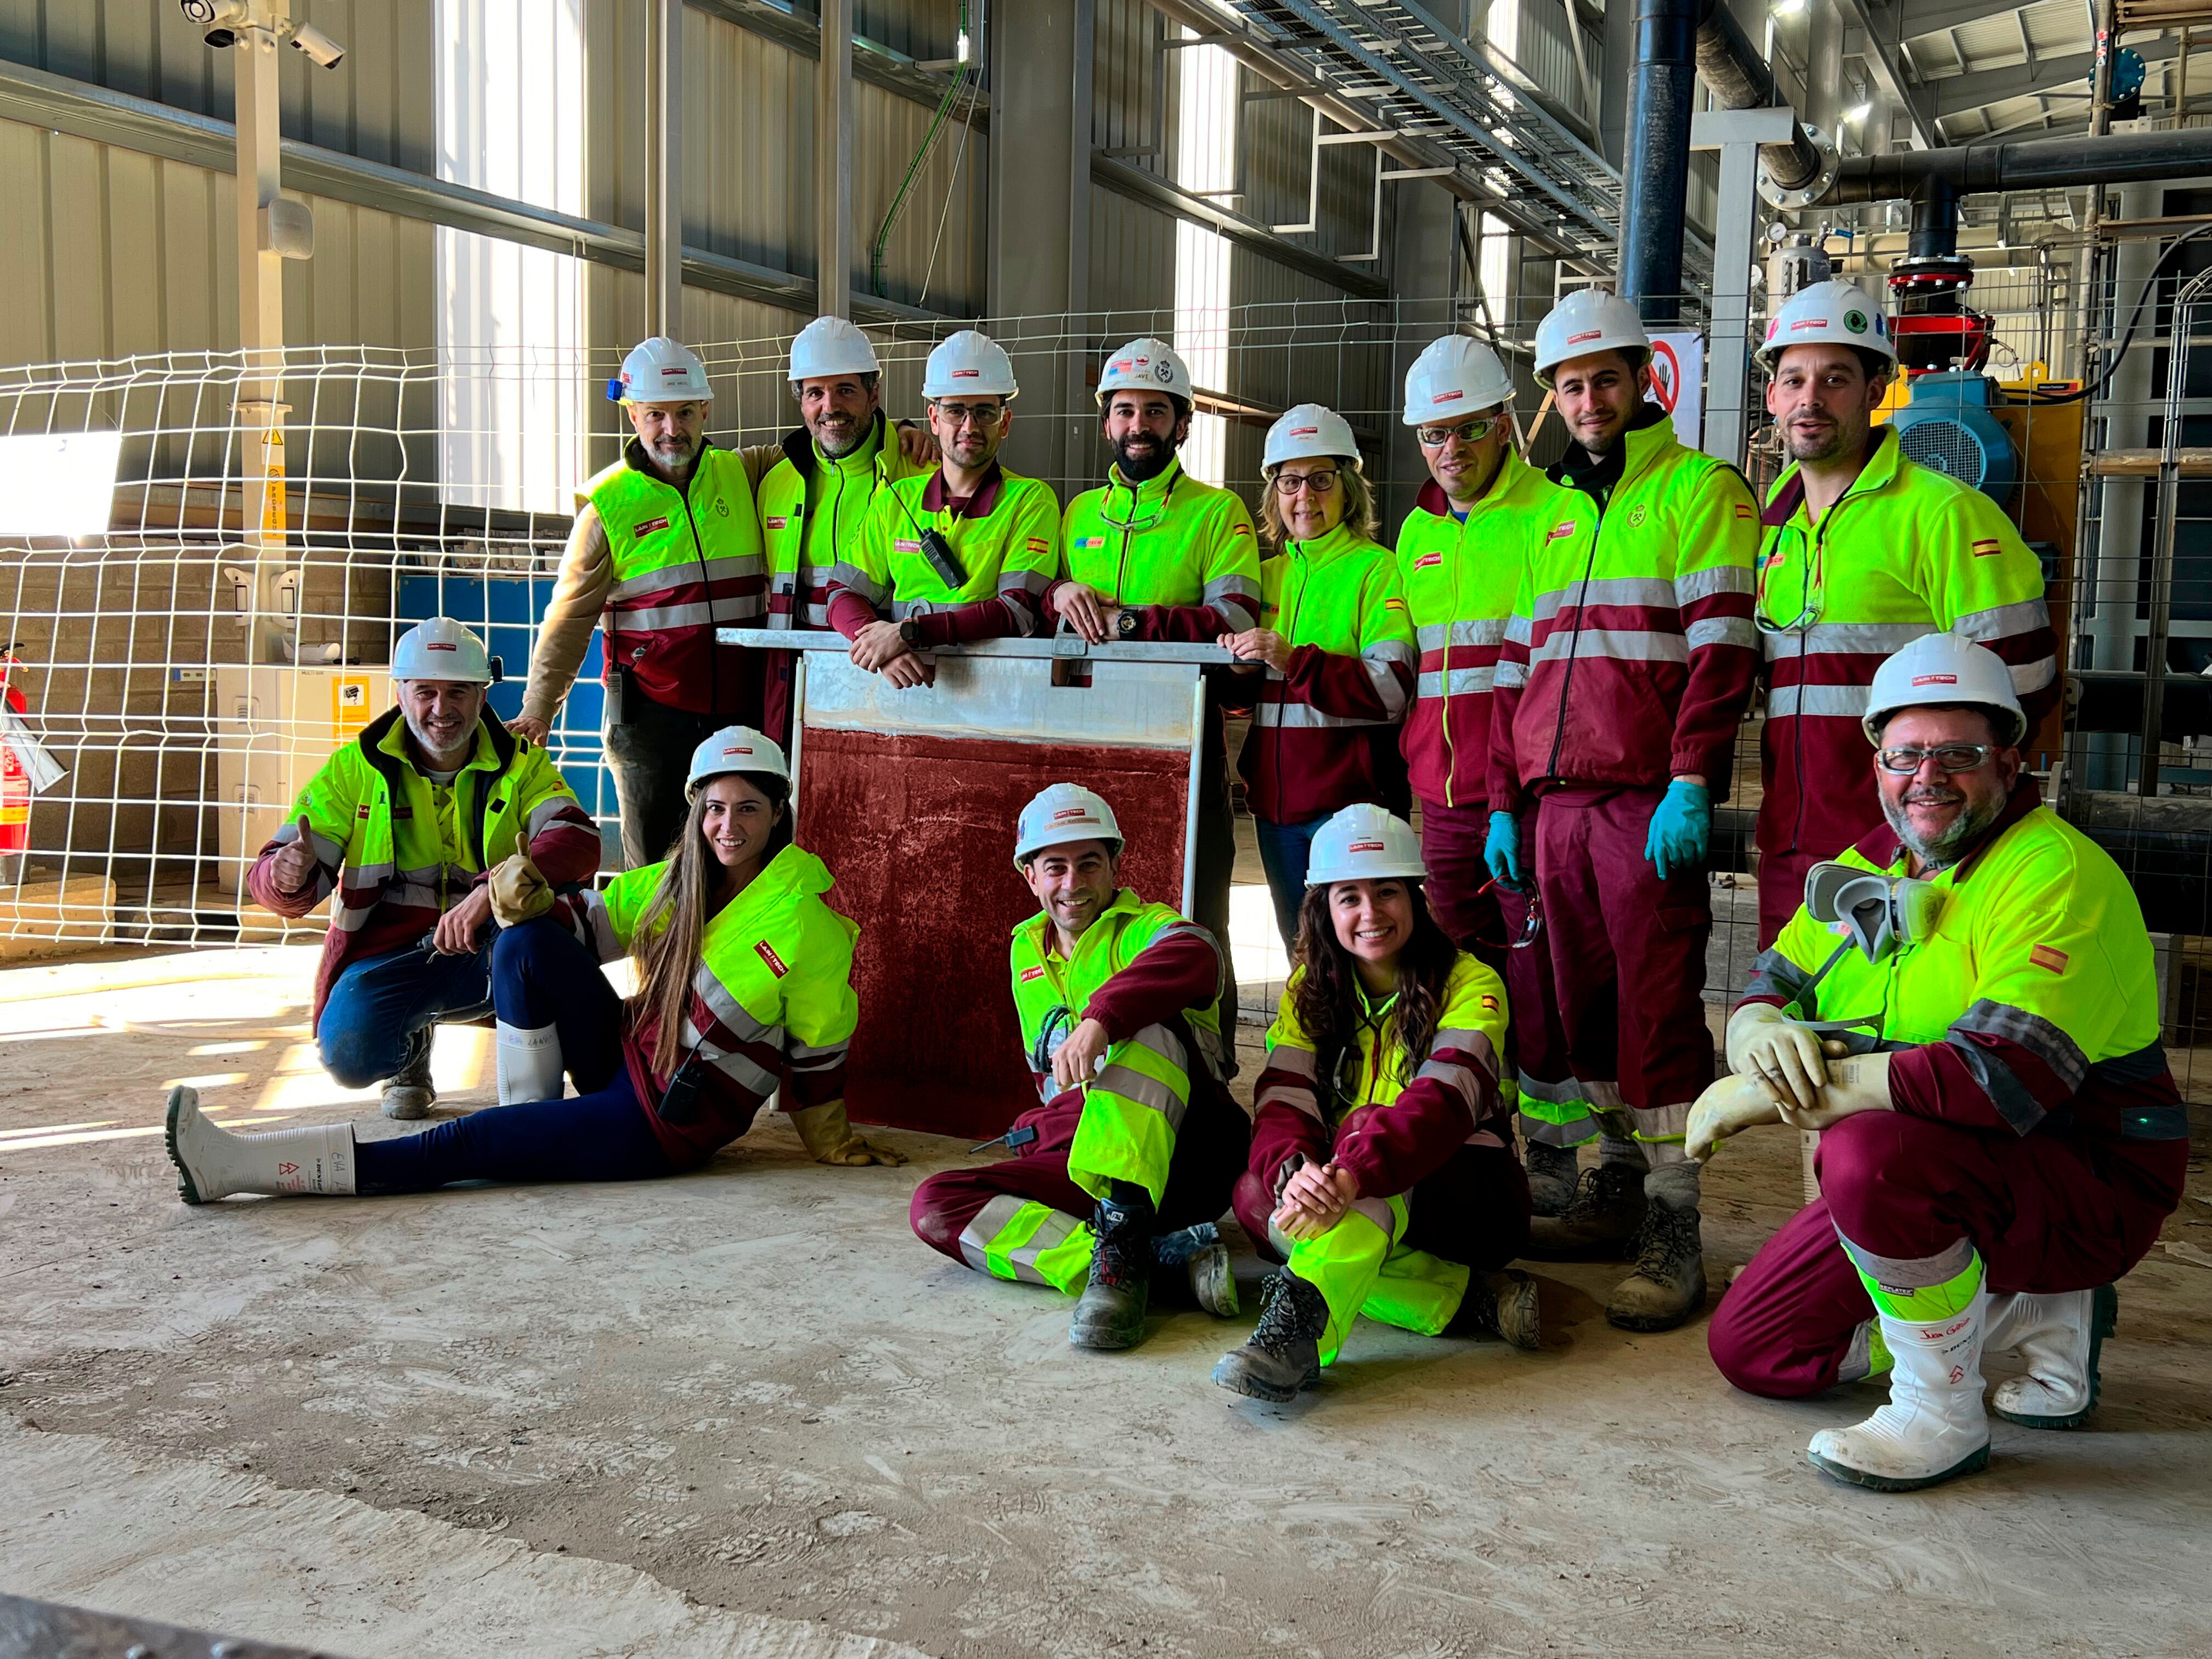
220	19
321	50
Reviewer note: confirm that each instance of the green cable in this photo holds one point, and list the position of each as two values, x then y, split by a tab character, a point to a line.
921	158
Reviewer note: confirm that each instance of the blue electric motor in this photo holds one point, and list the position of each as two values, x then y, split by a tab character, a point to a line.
1947	426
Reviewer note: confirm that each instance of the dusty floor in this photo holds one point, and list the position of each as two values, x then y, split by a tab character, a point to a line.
744	1413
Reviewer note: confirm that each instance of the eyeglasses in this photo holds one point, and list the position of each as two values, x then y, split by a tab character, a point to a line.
1289	484
958	415
1950	758
1473	432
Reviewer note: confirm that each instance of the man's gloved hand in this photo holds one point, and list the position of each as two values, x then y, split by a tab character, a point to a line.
829	1138
519	892
1856	1082
1765	1044
1681	829
1730	1107
1501	851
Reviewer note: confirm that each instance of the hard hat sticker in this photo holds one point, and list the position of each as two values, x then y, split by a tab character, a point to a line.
1855	321
1587	334
1364	846
1934	680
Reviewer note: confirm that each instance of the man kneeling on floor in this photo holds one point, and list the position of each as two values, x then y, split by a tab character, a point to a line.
1137	1133
400	831
2000	1135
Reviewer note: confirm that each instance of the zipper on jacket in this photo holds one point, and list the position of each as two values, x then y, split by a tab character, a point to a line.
1575	645
699	551
1818	548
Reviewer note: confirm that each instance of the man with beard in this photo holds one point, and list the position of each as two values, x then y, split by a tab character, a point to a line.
1156	554
1626	665
1863	550
2000	1137
400	831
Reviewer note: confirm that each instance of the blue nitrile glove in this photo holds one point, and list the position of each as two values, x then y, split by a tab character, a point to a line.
1502	851
1681	829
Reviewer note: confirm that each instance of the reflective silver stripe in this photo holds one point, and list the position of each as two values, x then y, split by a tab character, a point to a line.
1298	1100
1397	651
364	875
419	894
1233	587
1465	683
546	810
1461	1078
1774	975
590	908
1519	630
801	1058
728	1009
1618	644
2000	621
1055	1229
683	572
1237	599
986	1225
1694	585
1304	714
1483	1137
737	1067
1557	1134
1652	590
326	851
1132	1085
1430	636
1511	676
1482	630
856	580
1837	702
1384	678
1721	631
657	619
1239	614
2048	1042
1911	1272
2028	677
1468	1040
1298	1062
1603	1094
1190	930
1846	639
1377	1211
1566	1091
1024	581
1660	1122
817	616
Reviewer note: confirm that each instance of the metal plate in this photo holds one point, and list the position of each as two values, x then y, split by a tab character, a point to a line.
1133	705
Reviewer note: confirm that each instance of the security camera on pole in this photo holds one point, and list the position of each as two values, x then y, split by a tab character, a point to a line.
1627	663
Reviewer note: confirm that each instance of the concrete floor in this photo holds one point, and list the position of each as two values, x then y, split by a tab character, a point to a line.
744	1413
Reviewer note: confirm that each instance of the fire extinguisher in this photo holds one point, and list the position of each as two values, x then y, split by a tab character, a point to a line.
26	768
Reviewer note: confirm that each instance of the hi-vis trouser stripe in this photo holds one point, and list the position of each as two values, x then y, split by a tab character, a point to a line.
1131	1112
1555	1112
1359	1267
1031	1243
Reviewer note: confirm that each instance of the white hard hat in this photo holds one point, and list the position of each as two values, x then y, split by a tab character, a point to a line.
1147	365
441	649
1455	378
1063	813
661	371
735	748
1588	321
1943	668
969	362
1827	314
1364	843
831	345
1310	432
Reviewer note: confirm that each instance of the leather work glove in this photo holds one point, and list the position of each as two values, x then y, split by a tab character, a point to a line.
1765	1043
1856	1082
1502	851
1730	1107
1681	829
829	1138
519	892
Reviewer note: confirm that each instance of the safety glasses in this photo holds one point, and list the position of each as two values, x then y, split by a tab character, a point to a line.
959	415
1473	432
1949	757
1289	484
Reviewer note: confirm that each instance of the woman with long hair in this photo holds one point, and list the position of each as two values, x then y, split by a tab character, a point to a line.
744	992
1383	1163
1337	645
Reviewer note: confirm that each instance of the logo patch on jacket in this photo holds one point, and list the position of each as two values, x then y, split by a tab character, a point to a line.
1428	561
1638	516
650	525
1490	1003
1745	510
1038	544
1028	973
768	956
907	547
2044	956
1088	542
1983	550
779	524
1393	605
1240	529
1559	532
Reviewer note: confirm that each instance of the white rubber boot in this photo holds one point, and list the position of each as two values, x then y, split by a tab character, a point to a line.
2061	1337
530	1063
213	1162
1933	1427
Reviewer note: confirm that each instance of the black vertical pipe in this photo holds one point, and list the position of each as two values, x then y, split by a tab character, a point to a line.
1657	173
1934	233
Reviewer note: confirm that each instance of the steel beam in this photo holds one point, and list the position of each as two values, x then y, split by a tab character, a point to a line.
1956	95
1889	72
664	167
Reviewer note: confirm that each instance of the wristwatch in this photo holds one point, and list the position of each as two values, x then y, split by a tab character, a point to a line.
1125	624
910	634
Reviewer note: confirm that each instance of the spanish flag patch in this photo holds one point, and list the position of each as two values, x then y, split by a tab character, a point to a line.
1038	544
1988	547
1745	510
2043	956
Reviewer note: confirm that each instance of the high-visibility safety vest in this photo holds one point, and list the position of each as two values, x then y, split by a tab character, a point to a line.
772	1002
1324	735
1006	542
685	562
1906	550
1377	1068
811	511
1134	1108
1631	654
1460	577
2039	944
1171	541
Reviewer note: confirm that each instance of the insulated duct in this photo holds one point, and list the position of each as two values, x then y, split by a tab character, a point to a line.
2024	164
1738	78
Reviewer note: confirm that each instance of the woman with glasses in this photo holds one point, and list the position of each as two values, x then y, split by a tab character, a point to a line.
1336	644
1383	1165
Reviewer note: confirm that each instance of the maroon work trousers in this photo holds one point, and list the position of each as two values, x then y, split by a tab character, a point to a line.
1781	891
2048	1213
1627	952
1473	1208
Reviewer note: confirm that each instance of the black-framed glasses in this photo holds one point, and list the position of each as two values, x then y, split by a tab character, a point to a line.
1949	757
1289	484
1473	432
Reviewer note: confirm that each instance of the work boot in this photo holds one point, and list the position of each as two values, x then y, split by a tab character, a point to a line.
1203	1259
1607	1213
213	1162
1284	1355
1500	1304
1669	1285
1933	1427
1111	1314
2061	1337
1551	1175
408	1092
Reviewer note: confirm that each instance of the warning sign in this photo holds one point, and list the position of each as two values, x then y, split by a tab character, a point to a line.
1678	382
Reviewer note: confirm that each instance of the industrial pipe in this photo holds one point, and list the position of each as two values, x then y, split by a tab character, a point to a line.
1657	178
1738	78
2025	164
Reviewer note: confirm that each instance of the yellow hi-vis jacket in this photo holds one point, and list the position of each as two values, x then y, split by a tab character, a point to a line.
1177	552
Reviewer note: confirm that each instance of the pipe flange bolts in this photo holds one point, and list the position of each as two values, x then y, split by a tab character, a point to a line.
1803	196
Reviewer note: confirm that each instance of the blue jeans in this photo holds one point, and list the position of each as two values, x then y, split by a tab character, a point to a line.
382	1006
604	1136
541	976
1285	849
